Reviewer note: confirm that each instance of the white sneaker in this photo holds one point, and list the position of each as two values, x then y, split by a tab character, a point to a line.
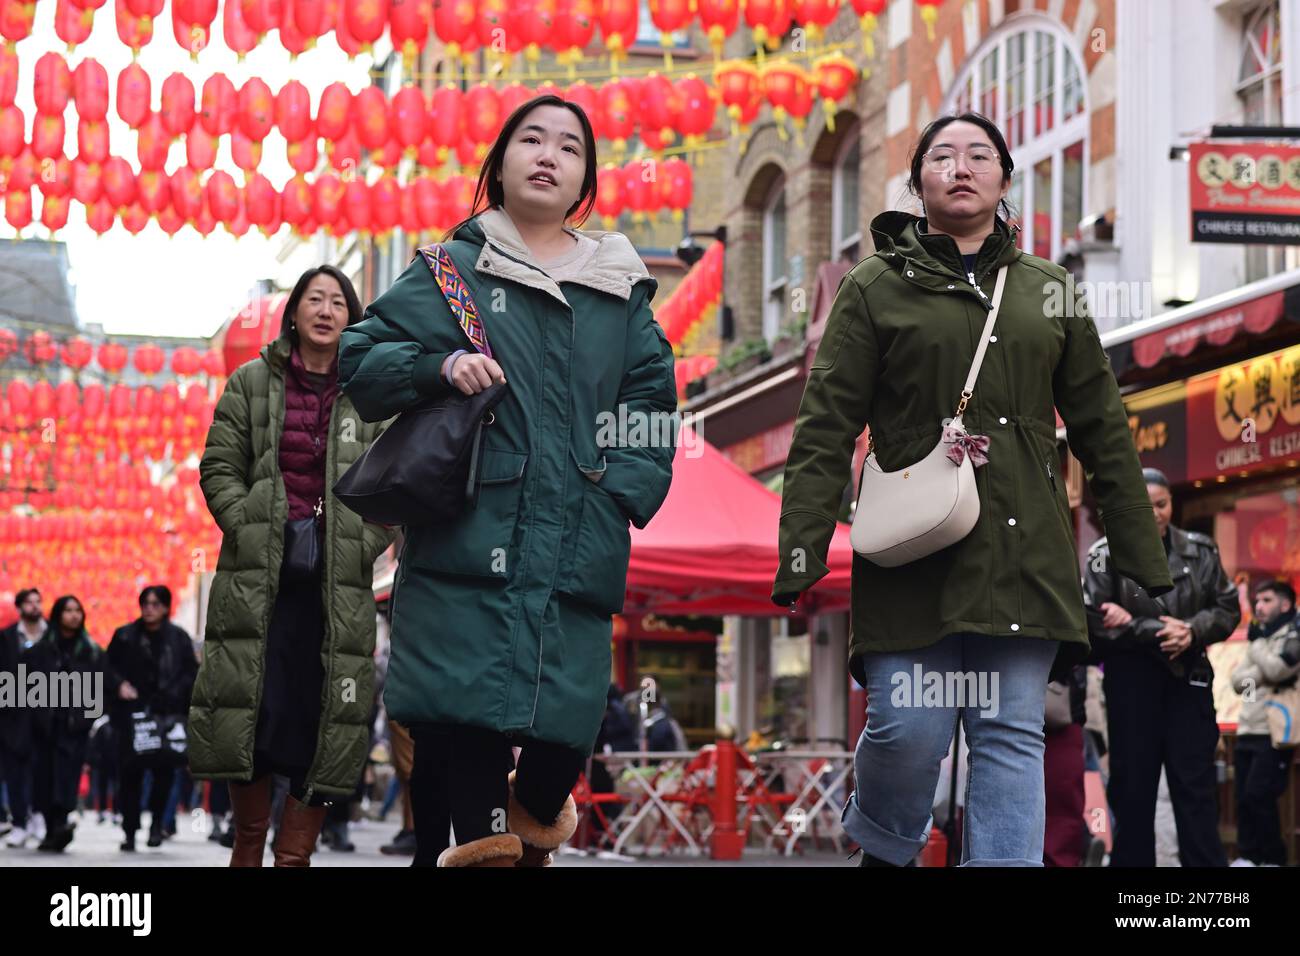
36	826
5	827
1241	861
17	838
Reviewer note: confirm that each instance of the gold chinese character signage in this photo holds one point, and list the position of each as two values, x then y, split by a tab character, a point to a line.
1245	193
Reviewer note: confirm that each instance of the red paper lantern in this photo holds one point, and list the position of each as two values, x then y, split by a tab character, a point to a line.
22	171
835	77
86	186
669	16
170	221
154	191
365	20
357	203
675	174
699	105
77	353
185	361
223	196
586	97
636	187
327	198
815	15
13	132
16	17
575	24
218	104
408	26
153	144
427	198
618	25
385	204
261	200
661	106
134	31
112	359
100	216
534	21
453	21
769	20
9	75
92	141
787	88
261	16
370	117
236	32
256	110
446	120
71	24
513	96
334	113
148	359
345	153
40	349
293	111
187	193
177	104
134	218
303	155
90	89
119	182
8	344
53	84
609	194
212	363
483	118
192	35
409	116
48	135
719	19
200	149
295	201
133	92
246	153
617	106
309	17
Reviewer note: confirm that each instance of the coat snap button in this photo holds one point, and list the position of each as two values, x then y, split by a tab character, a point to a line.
1002	420
910	273
993	338
1011	521
1015	627
951	286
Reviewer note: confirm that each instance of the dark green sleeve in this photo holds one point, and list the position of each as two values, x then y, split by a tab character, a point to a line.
227	456
392	359
832	414
1087	396
637	477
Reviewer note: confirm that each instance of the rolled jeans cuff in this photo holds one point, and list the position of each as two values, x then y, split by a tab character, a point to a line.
879	842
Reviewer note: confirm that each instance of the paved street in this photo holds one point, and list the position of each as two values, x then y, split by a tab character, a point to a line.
96	844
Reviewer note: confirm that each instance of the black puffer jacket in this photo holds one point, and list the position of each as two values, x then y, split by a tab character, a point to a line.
1203	596
161	668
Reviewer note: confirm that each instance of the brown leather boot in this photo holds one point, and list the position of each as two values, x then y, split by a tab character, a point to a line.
251	804
500	850
300	827
538	838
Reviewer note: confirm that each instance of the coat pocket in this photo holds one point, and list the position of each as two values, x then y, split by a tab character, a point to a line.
598	573
478	543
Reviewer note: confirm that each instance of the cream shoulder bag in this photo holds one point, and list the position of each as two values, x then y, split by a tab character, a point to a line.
910	513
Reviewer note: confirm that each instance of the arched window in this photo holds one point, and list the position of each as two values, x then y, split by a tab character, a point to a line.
1029	79
846	217
775	261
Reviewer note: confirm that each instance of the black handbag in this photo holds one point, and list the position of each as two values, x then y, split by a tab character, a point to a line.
158	740
302	546
424	468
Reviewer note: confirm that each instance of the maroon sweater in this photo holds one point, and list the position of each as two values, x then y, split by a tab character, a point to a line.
308	401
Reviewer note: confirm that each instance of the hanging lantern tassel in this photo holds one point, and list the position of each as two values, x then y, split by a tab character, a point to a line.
868	24
929	15
778	113
666	41
829	107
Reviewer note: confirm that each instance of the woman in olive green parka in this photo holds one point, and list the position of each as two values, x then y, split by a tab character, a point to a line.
502	618
996	607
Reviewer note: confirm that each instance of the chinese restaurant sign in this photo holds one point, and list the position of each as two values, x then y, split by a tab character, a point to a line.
1245	193
1243	417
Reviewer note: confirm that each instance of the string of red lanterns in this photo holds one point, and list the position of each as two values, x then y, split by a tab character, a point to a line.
40	348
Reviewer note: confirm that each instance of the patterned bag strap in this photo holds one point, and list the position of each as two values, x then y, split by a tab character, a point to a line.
457	295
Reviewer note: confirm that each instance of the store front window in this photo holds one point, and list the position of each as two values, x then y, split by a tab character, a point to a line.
1030	81
684	675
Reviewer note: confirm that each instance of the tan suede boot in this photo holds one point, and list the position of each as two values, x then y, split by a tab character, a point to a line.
538	838
500	850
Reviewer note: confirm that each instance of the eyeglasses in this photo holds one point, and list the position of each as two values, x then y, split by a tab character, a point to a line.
979	160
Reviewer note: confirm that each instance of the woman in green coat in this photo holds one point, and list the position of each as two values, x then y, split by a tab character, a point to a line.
286	683
972	631
502	618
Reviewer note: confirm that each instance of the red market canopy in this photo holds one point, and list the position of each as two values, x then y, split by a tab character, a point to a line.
712	548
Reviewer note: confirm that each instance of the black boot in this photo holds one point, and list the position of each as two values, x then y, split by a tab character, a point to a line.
155	834
128	845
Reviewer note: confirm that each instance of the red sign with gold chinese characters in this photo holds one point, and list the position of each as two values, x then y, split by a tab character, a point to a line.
1244	417
1246	193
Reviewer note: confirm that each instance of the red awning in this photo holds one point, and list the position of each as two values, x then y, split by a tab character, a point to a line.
712	548
1217	328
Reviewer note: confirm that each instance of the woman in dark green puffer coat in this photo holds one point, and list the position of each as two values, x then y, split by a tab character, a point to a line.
501	618
972	631
285	686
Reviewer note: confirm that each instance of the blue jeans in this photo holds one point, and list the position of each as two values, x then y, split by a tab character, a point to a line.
997	686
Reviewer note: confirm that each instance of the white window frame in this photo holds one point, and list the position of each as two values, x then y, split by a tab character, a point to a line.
1034	148
773	283
839	242
1271	75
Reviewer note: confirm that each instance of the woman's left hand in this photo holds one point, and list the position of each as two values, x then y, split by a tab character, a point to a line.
1177	634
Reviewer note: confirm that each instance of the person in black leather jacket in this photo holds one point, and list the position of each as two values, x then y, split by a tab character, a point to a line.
1158	677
